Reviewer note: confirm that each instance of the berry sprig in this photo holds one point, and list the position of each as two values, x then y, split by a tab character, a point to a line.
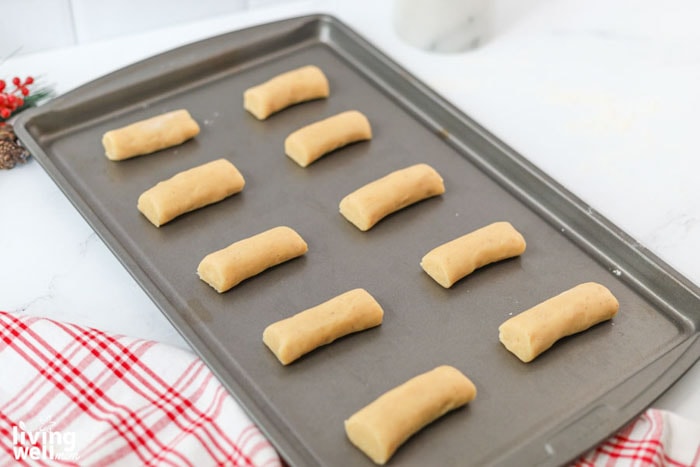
14	99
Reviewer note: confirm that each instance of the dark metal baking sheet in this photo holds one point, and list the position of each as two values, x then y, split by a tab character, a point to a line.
545	412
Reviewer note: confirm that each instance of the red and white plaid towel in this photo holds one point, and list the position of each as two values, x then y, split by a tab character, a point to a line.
655	438
71	395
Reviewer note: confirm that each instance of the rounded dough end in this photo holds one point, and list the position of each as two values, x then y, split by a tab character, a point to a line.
108	143
295	151
609	301
149	209
316	74
364	437
366	124
253	103
213	275
435	270
513	342
271	338
304	247
352	212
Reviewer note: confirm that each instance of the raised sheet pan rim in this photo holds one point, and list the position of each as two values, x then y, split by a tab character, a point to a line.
647	273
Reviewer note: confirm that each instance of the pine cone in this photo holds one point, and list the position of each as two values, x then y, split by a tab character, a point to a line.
11	154
7	133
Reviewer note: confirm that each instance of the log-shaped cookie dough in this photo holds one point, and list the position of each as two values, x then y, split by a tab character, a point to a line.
295	86
535	330
190	190
371	203
385	424
226	268
298	335
311	142
458	258
150	135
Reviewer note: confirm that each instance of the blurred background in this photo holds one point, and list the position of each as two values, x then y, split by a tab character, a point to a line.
35	25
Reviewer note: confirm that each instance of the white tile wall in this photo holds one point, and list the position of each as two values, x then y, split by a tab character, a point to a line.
32	25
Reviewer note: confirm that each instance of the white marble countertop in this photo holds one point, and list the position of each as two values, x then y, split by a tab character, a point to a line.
601	95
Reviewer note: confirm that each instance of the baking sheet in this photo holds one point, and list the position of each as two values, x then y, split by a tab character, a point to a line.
546	412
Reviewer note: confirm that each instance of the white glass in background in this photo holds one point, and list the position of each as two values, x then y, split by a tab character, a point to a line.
441	25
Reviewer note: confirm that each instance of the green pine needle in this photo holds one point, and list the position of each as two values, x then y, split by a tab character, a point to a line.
33	99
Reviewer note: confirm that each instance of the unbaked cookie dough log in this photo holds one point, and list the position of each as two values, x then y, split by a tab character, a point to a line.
189	190
371	203
381	427
226	268
535	330
458	258
311	142
298	335
295	86
150	135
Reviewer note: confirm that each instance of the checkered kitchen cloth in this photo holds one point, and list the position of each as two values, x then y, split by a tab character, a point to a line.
655	438
71	395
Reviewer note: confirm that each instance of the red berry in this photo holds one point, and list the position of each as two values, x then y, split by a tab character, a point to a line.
2	85
5	113
28	81
3	100
19	102
24	90
16	81
11	99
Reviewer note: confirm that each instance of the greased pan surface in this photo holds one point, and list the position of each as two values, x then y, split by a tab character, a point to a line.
545	412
